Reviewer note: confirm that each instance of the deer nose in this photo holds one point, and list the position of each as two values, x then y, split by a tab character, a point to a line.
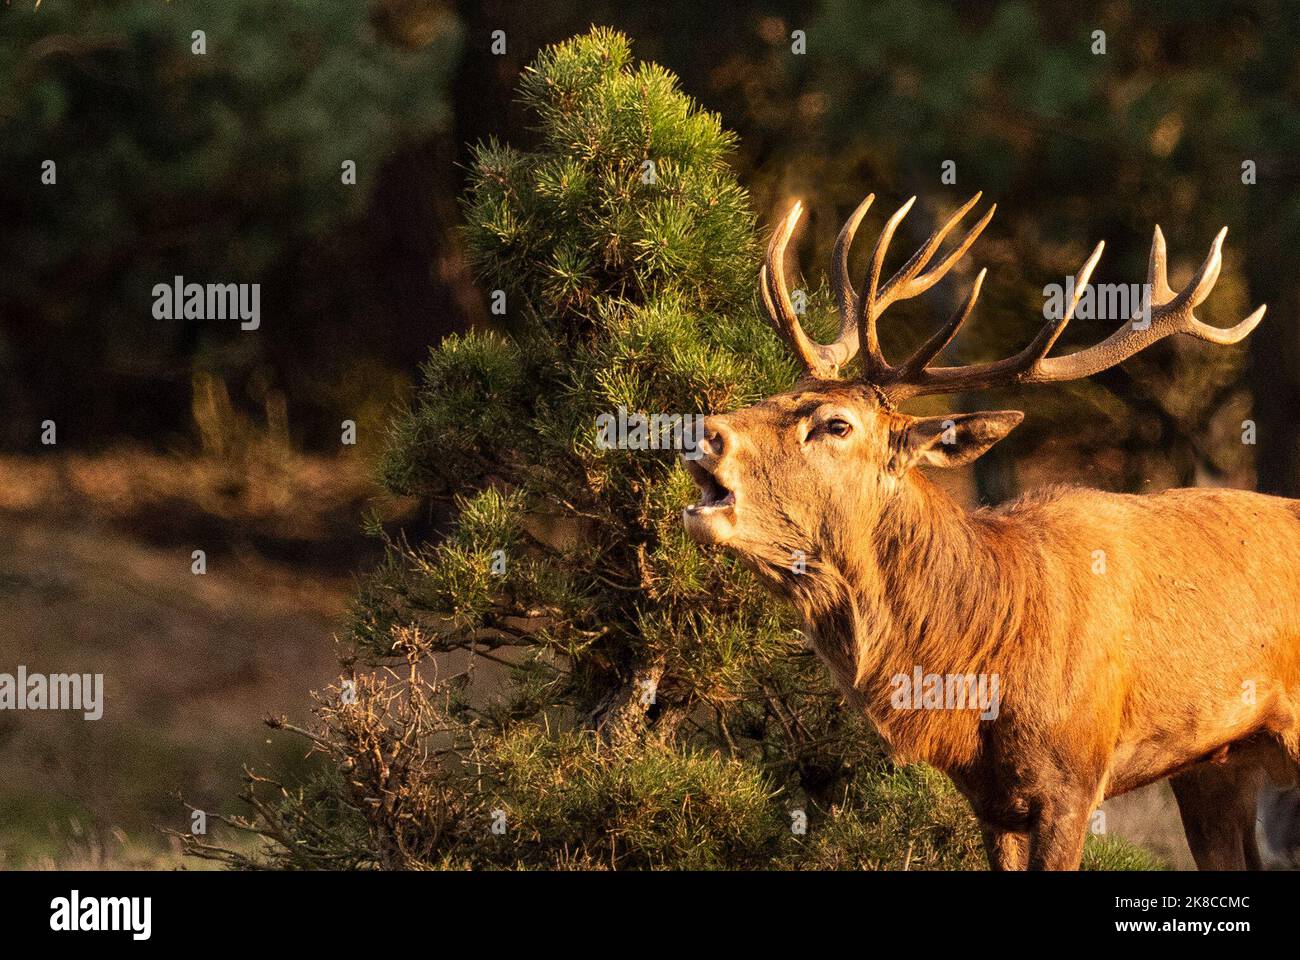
718	437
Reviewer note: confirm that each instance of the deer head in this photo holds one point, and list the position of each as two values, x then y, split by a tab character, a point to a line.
812	471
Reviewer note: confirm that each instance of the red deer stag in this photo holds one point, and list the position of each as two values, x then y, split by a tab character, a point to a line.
1180	657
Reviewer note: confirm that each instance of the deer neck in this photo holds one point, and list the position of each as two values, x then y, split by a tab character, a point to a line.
932	592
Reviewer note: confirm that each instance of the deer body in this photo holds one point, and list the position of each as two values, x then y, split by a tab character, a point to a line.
1109	681
1133	637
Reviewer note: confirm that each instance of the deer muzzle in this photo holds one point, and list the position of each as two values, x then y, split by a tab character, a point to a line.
713	518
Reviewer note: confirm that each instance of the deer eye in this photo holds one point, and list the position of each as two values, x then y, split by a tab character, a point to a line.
838	427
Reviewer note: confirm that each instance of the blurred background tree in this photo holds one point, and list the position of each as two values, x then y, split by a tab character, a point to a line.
224	166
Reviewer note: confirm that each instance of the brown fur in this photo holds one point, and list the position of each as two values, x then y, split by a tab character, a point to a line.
1109	681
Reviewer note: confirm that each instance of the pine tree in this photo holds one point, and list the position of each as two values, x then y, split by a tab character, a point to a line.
561	679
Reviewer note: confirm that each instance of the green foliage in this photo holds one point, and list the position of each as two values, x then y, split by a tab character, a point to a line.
563	654
1112	853
628	196
893	818
656	806
472	407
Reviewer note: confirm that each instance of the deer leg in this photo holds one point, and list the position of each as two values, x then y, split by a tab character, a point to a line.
1060	827
1217	806
1279	814
1006	849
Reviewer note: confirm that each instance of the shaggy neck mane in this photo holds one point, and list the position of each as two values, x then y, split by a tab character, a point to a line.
934	587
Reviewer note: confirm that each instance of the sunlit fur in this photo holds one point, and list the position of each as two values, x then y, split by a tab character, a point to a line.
1109	680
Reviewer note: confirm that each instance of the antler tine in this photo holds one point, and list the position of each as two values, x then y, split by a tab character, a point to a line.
874	365
776	297
1196	292
905	284
818	359
1208	274
909	282
927	351
785	322
848	297
1042	345
916	379
1172	315
858	314
1157	275
1227	336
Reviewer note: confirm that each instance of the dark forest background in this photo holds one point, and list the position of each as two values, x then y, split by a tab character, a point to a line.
225	167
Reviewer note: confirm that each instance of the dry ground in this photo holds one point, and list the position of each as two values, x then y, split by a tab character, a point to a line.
95	577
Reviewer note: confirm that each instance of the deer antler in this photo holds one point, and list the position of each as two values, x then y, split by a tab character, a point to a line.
857	315
1170	313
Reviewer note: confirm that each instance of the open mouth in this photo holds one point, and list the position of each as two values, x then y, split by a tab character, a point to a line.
713	495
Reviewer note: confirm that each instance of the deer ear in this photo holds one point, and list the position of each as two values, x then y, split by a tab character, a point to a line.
953	440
